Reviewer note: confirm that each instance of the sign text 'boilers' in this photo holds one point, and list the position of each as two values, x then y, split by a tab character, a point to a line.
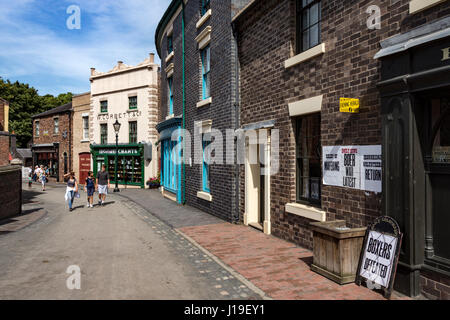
120	115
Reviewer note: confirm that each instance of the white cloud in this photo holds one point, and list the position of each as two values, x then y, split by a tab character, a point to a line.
111	30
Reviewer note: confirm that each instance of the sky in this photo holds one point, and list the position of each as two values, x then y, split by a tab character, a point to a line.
37	47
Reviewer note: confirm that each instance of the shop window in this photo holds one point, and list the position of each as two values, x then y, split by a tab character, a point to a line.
103	133
169	44
133	131
55	126
308	154
309	15
441	131
169	167
36	123
103	106
132	102
170	95
85	128
205	55
205	166
205	5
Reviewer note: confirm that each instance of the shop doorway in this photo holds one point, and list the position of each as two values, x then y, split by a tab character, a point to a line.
257	182
84	166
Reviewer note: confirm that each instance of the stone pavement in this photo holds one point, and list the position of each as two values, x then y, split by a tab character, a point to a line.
277	267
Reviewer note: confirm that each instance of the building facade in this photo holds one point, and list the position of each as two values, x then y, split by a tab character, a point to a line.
52	141
4	115
195	42
129	95
297	60
82	160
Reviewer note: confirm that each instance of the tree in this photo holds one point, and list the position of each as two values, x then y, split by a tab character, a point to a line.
24	102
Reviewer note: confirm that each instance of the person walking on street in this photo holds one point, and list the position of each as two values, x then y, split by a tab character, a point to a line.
72	189
103	184
89	186
43	180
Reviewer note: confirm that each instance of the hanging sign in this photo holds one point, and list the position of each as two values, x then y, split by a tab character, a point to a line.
379	257
349	105
355	167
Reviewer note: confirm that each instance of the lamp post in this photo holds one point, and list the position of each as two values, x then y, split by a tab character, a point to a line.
116	126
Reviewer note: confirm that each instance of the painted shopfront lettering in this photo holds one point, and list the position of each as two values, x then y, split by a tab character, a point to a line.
121	115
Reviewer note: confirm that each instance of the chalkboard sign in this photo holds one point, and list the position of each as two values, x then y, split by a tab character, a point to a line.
379	256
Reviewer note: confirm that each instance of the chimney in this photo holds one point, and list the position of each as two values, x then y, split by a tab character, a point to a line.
120	63
92	71
152	57
13	144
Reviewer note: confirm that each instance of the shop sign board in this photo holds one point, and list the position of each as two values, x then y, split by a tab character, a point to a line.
122	151
355	167
349	105
379	256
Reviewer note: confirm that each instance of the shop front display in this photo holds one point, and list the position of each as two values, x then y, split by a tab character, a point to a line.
130	163
47	155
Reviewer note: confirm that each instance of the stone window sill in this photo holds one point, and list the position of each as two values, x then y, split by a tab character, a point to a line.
170	116
305	211
204	18
132	110
420	5
204	195
84	141
204	102
204	38
304	56
170	56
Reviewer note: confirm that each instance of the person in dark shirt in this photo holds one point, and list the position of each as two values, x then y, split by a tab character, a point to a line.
103	185
89	186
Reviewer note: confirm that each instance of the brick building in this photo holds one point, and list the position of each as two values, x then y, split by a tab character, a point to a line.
297	59
52	140
82	163
198	92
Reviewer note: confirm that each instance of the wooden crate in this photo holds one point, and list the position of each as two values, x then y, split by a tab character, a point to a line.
336	250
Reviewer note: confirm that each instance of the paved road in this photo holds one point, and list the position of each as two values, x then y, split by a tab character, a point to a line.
123	253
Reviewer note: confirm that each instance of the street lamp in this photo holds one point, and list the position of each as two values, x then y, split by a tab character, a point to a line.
116	126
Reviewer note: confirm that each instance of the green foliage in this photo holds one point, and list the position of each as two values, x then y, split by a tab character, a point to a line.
24	102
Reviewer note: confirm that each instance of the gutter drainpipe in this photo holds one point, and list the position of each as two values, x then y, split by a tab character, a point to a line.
236	121
183	189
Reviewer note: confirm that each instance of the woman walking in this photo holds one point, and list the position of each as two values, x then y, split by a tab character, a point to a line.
43	179
72	189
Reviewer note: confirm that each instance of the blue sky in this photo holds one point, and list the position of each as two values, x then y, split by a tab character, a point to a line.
36	47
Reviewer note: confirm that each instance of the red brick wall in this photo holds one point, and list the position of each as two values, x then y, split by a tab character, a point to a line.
47	124
10	191
4	149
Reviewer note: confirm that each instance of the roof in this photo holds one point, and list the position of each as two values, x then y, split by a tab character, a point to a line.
6	101
24	153
61	109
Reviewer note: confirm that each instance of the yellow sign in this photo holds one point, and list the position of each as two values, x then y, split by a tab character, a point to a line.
349	105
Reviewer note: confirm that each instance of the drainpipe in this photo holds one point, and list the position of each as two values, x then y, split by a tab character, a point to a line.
183	188
236	120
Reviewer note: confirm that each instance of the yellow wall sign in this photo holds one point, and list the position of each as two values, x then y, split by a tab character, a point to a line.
349	105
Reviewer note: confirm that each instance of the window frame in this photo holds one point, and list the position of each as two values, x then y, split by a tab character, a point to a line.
170	95
300	176
101	106
205	5
103	136
205	54
37	128
129	103
169	44
85	120
206	187
300	30
56	126
132	134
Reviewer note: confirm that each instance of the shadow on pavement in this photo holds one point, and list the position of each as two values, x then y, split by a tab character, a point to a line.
28	196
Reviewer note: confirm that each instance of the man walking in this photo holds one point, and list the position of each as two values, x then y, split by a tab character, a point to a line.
103	184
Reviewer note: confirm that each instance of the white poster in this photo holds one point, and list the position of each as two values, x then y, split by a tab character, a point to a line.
355	167
378	258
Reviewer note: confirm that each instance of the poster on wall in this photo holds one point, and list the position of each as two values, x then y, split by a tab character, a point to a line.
355	167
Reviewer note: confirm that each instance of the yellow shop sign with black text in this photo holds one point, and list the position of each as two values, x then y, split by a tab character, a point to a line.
349	105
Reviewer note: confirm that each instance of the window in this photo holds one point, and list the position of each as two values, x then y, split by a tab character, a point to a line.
205	166
85	128
103	133
55	126
205	6
169	44
132	102
133	131
309	16
103	106
170	95
309	151
205	55
37	128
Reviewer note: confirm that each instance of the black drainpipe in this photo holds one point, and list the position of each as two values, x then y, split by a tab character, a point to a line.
236	120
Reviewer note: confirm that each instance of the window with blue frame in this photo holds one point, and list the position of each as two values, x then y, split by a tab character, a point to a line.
170	95
206	57
169	44
205	167
205	6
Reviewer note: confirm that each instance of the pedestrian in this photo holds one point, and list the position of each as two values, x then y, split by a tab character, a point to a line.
43	180
103	184
89	186
36	171
72	189
30	178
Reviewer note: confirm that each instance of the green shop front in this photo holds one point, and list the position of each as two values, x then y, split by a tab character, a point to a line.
130	163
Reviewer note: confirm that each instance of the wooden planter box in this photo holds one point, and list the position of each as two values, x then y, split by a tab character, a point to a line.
336	250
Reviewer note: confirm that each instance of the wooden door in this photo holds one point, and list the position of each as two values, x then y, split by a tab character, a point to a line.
85	166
